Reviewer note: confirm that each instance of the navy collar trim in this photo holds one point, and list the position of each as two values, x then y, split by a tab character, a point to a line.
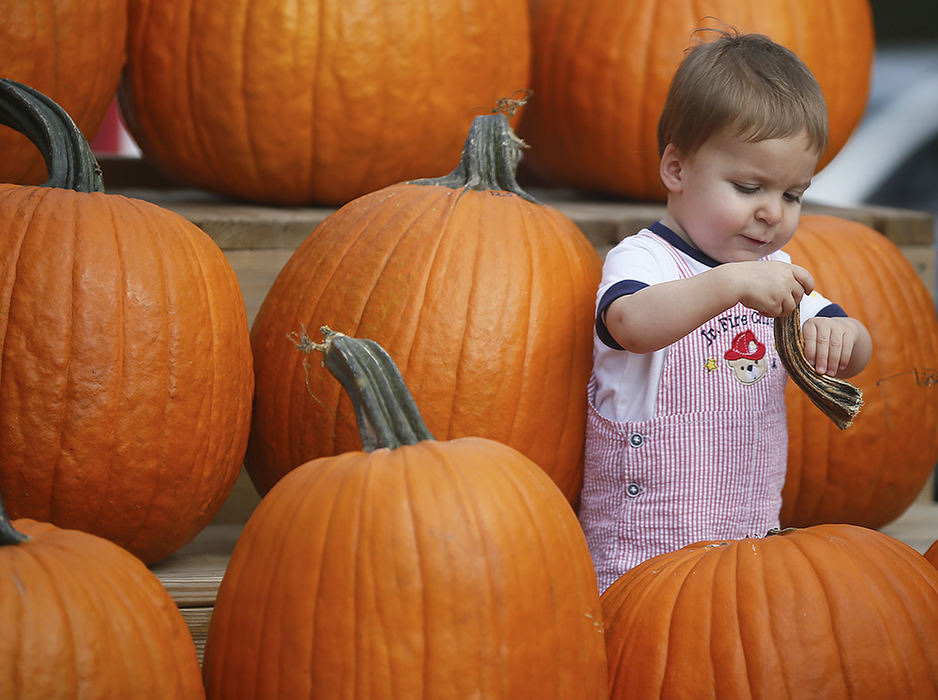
671	237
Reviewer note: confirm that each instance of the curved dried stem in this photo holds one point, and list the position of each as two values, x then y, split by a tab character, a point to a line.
839	400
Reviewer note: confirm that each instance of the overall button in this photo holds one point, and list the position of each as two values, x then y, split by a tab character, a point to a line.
633	490
636	439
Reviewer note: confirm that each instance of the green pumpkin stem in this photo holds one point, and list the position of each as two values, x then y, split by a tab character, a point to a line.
384	407
68	156
8	534
489	161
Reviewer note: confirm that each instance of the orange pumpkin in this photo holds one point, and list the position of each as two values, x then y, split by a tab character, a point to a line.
416	569
70	50
601	70
322	101
126	383
870	473
484	296
83	618
831	611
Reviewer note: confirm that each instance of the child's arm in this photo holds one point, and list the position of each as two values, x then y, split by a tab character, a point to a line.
658	315
839	346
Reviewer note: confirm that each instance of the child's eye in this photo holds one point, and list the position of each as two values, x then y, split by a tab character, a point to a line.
793	197
745	189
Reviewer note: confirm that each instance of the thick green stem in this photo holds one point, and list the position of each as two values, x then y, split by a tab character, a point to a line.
68	156
9	535
384	407
489	161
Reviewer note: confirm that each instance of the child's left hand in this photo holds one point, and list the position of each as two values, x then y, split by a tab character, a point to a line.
838	346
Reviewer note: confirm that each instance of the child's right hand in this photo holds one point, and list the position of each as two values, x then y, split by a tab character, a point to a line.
771	287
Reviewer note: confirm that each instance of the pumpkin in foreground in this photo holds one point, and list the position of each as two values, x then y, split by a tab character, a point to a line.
125	362
85	619
70	50
830	611
315	101
482	295
870	473
601	70
421	568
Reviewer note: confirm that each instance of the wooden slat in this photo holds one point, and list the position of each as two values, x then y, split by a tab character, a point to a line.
192	575
198	620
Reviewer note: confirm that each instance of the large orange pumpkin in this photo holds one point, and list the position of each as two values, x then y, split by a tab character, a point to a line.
418	569
831	611
83	618
484	298
70	50
125	361
601	70
871	472
326	101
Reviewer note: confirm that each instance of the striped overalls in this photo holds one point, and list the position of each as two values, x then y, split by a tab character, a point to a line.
710	463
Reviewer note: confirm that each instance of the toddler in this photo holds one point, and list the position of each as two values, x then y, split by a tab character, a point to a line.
687	437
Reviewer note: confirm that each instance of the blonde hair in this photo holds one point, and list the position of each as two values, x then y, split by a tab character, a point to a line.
746	83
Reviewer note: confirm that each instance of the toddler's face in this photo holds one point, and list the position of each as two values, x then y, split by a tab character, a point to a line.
741	200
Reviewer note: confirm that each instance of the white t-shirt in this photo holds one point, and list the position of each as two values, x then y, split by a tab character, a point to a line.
627	382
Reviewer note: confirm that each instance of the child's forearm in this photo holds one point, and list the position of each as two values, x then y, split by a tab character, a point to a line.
661	314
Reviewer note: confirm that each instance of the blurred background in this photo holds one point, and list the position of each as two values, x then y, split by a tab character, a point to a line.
892	157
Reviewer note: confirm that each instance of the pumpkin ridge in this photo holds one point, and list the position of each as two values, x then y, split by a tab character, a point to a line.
67	389
132	535
289	539
410	490
869	573
919	588
458	382
749	665
315	100
248	139
218	354
286	542
34	197
93	591
413	205
809	565
201	138
51	571
443	233
80	244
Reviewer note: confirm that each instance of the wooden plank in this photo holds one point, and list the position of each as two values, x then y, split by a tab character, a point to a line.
192	575
605	219
198	620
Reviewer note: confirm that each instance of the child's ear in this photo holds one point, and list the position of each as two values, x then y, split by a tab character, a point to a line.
671	168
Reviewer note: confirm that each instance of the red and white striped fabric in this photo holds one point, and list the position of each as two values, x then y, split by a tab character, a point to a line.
709	464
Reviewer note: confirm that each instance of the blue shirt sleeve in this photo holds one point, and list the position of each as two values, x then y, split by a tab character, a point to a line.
619	289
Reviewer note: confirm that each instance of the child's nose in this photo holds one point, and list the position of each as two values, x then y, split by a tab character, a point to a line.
770	211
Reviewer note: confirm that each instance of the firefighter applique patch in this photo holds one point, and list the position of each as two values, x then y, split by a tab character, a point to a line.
746	357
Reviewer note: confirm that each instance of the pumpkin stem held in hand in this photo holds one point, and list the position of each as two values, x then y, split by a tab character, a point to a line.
8	534
490	158
839	400
68	156
384	407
